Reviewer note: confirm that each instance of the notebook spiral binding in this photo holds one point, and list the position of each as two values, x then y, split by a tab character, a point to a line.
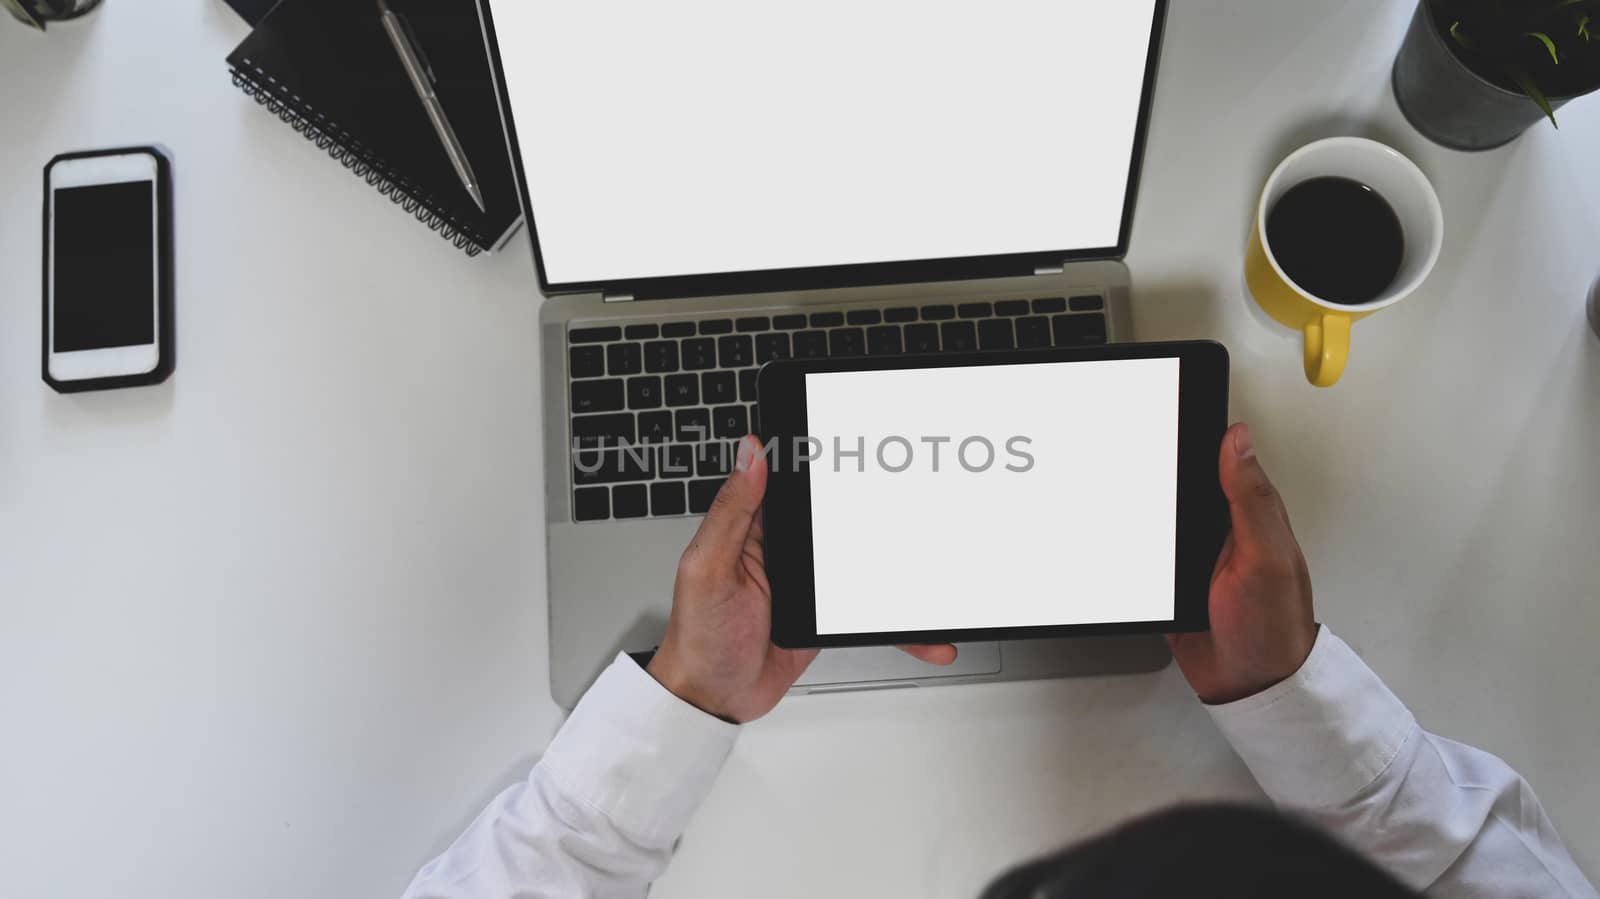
350	159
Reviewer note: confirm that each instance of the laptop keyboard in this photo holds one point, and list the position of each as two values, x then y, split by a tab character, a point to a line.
658	407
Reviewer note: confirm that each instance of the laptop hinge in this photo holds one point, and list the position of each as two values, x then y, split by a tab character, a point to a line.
1050	269
616	297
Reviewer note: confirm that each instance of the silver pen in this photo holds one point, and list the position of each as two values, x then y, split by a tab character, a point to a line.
422	80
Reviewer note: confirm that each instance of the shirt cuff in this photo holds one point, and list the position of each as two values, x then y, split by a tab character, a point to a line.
637	754
1322	736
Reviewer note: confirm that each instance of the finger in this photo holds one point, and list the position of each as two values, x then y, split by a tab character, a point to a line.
758	530
792	662
932	653
1259	521
727	523
1223	557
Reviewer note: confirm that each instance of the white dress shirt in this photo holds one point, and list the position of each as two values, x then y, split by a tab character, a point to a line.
600	813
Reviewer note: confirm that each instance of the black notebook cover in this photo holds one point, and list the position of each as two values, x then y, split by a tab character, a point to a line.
328	68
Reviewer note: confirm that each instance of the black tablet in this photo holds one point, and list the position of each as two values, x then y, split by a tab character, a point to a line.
1036	493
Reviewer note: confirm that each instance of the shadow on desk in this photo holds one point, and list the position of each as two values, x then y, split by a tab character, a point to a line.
102	409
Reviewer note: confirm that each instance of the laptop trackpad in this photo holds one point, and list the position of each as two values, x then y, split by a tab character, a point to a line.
869	664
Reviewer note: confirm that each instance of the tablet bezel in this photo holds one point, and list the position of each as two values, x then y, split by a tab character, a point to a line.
1202	512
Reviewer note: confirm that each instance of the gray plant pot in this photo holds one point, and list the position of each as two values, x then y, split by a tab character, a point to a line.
1448	102
39	12
1594	307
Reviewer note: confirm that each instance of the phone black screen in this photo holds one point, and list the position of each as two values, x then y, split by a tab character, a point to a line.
104	277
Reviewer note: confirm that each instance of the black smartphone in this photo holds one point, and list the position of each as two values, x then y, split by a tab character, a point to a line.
107	270
1036	493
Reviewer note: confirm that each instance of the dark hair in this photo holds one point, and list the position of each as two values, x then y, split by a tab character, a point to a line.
1236	851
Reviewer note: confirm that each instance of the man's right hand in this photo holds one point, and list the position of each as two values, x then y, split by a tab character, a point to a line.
1262	624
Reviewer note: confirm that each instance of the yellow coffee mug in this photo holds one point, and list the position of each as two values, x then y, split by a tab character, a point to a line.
1326	325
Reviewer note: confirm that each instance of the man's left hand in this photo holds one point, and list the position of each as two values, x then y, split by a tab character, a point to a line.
718	653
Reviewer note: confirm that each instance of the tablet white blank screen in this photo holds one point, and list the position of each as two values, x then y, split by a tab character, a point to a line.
1086	534
708	136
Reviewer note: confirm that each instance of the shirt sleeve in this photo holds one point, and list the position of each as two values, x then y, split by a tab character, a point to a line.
601	811
1333	744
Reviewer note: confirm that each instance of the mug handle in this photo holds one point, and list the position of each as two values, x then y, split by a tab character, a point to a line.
1327	347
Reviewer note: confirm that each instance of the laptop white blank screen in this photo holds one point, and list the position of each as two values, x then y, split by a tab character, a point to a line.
712	136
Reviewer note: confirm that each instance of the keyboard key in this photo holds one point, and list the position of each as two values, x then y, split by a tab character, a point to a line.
693	425
752	324
735	351
682	390
788	322
641	332
995	334
623	359
597	396
730	421
661	356
655	427
755	427
629	501
900	314
591	504
747	385
846	342
593	335
770	347
677	461
701	495
1088	303
667	499
938	313
1011	307
718	387
699	353
811	344
714	459
863	316
975	310
922	338
677	329
1049	306
883	340
1033	331
827	319
587	361
598	431
644	393
609	466
958	337
1078	330
716	326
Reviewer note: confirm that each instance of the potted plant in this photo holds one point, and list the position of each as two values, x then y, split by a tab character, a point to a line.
38	12
1475	74
1594	307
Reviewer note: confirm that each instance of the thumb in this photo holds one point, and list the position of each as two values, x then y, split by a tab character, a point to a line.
1256	511
728	521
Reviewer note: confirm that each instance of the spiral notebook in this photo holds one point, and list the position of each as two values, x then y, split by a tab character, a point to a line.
327	68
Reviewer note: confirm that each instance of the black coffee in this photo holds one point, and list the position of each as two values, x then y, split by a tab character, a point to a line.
1338	239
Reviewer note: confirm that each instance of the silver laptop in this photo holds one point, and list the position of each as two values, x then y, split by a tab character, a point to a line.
710	186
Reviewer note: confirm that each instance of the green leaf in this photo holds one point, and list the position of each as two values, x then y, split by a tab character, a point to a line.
1550	45
1583	26
1537	96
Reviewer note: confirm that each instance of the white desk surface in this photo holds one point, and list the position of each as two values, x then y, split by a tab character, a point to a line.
277	627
